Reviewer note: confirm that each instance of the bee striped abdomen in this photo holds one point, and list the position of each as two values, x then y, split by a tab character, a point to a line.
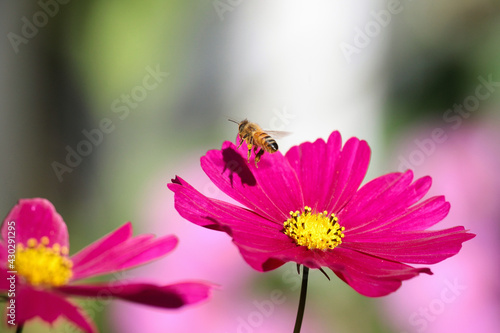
268	143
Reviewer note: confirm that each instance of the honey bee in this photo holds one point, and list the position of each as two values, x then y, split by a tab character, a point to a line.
255	138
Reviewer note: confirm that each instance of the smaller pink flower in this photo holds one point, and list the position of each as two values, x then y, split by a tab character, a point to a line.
45	273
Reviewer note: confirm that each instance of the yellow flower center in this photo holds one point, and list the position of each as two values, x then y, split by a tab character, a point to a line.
39	264
316	231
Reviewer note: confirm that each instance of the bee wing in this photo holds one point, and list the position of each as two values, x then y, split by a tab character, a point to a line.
278	134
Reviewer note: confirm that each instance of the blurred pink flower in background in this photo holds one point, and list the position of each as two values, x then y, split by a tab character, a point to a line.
235	306
464	294
45	274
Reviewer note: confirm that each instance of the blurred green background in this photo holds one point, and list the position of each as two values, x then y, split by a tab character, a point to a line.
152	83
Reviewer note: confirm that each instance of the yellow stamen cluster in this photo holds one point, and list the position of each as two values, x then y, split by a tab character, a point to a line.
39	264
316	231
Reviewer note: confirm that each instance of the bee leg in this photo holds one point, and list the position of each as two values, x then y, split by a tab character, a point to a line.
258	156
249	152
241	142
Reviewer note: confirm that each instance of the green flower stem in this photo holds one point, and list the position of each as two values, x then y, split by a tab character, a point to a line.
19	328
302	301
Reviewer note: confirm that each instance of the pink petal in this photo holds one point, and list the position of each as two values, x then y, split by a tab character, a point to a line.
417	217
31	303
140	252
267	260
4	283
260	261
105	243
381	201
314	164
348	174
369	275
169	296
424	247
197	208
257	238
329	177
116	252
132	253
271	190
192	209
35	218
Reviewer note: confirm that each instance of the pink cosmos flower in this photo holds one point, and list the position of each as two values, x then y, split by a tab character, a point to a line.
45	274
239	306
306	207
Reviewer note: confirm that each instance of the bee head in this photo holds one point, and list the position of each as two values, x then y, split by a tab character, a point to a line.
242	124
